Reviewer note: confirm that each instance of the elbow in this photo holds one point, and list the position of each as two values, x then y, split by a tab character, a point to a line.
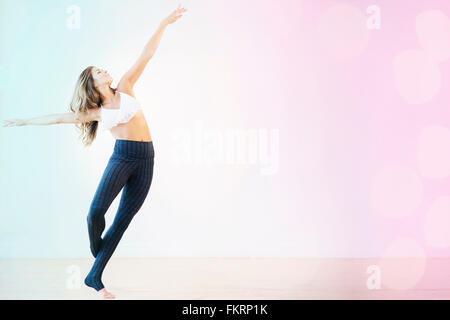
69	117
58	120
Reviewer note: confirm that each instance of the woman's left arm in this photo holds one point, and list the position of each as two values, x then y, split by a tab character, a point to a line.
128	80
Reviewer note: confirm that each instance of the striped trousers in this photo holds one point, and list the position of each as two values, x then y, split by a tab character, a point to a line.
130	167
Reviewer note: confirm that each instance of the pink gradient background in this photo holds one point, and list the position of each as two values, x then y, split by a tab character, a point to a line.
353	106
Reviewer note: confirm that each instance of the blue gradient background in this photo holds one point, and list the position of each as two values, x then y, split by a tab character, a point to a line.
49	178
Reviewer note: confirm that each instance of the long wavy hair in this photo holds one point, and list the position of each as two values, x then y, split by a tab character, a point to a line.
85	97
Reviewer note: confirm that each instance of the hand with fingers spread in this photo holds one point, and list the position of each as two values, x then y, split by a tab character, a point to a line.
174	16
14	123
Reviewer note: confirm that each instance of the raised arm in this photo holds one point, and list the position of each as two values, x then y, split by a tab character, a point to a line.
128	80
55	118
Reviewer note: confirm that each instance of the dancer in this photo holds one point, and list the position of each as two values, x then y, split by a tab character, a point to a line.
96	105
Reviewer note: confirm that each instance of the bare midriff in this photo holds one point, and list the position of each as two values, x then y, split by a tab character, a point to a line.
136	129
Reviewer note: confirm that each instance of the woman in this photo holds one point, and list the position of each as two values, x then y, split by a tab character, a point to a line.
95	104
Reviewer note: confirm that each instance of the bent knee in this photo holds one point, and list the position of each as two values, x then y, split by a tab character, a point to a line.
96	213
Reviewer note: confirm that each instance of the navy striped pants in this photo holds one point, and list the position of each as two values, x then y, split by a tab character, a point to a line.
130	167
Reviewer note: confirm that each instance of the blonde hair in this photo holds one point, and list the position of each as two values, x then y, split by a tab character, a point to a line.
85	97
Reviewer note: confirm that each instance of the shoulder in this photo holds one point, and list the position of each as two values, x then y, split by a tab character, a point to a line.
93	114
125	87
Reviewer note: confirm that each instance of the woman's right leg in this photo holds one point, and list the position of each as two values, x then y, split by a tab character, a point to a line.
114	178
133	197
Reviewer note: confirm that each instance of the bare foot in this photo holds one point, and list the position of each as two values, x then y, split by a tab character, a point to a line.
106	294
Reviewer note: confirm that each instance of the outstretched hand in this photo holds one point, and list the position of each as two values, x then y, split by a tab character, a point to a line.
174	16
13	123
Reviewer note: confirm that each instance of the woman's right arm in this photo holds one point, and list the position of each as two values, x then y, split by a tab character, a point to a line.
55	118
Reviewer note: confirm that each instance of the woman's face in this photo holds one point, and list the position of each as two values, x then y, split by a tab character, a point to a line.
101	77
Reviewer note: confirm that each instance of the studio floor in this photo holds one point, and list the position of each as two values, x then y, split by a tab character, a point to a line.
227	278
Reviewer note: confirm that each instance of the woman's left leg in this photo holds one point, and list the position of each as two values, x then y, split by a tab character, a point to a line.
133	195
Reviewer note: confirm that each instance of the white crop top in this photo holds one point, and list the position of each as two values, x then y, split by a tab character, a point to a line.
112	117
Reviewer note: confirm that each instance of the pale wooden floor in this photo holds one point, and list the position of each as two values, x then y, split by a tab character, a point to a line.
213	278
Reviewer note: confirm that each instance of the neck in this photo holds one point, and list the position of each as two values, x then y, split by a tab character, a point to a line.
107	94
